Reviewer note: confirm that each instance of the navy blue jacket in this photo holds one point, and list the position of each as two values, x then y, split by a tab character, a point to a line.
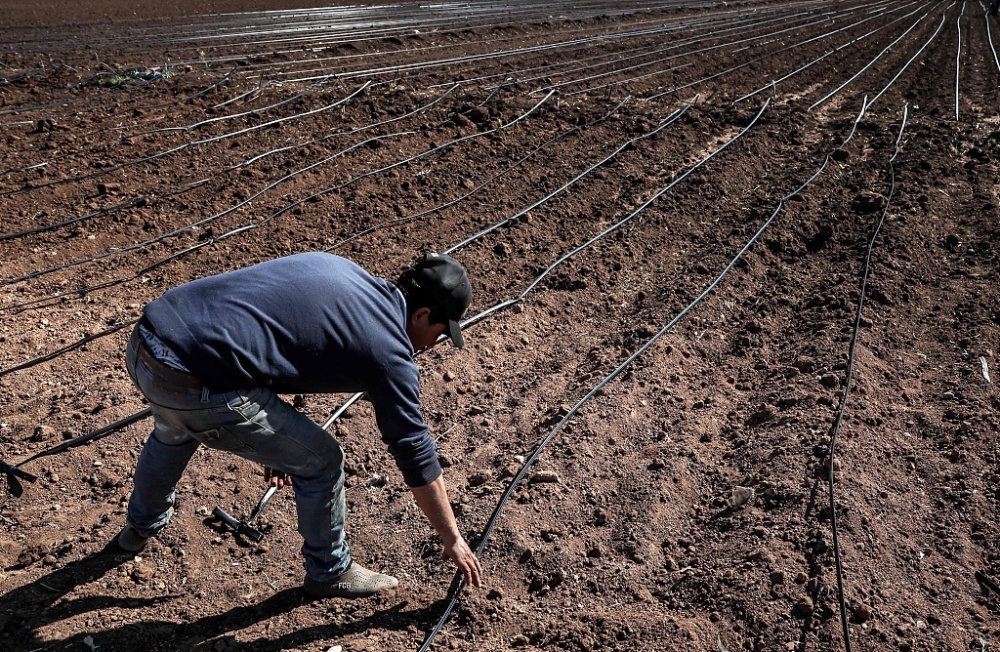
306	323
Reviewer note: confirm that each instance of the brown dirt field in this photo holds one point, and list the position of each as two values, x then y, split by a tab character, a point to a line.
608	207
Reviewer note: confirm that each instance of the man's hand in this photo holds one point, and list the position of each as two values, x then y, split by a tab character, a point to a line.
433	502
275	478
459	552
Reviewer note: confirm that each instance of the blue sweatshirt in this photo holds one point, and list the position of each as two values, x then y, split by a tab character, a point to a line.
307	323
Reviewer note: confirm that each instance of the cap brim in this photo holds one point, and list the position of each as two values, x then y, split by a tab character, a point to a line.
455	332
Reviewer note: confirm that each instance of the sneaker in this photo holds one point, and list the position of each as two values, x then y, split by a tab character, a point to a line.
356	582
130	540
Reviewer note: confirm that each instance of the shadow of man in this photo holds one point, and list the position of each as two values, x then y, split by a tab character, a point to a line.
27	610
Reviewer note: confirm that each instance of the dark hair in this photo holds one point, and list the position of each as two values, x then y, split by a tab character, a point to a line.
416	298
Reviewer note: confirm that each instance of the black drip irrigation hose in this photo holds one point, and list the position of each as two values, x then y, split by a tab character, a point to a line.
711	29
199	223
989	37
491	523
66	349
177	190
899	74
840	47
835	429
513	218
232	116
190	144
727	71
702	50
14	471
887	49
958	56
176	255
461	198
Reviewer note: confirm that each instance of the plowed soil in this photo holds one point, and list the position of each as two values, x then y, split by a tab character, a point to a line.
696	292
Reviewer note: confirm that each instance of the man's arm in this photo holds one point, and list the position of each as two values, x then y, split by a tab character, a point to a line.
433	502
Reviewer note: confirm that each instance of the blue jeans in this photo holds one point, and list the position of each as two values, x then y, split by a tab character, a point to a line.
252	423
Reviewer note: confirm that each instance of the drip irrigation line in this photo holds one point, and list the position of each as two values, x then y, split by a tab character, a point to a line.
914	57
468	322
138	201
194	184
191	144
869	64
461	198
989	36
260	88
724	16
243	114
617	57
498	510
25	168
450	62
852	354
696	52
68	102
723	72
43	301
24	74
13	471
188	227
757	22
775	82
958	56
491	523
558	191
67	348
329	39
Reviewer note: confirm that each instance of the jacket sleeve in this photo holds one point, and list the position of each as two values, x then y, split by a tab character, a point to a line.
395	396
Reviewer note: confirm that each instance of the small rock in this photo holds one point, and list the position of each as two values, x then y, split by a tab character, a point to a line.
600	517
804	607
862	613
519	641
545	477
656	465
478	478
741	496
143	573
830	380
868	202
448	376
41	433
777	577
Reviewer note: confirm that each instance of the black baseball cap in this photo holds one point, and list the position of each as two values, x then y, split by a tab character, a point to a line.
442	281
